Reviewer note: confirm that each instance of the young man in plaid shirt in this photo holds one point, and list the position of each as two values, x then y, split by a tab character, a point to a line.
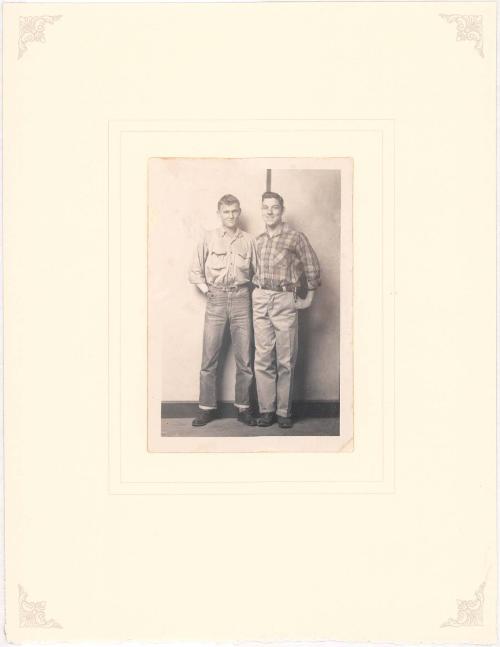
283	255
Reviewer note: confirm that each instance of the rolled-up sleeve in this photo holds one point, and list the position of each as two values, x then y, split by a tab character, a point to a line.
197	269
309	261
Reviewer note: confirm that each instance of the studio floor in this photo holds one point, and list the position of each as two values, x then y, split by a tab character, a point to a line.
231	427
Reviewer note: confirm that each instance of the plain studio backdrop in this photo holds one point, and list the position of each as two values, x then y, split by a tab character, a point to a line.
183	196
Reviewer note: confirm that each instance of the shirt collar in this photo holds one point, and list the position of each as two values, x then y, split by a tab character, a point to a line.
223	232
279	230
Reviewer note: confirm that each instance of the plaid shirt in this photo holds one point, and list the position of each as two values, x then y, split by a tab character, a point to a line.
282	258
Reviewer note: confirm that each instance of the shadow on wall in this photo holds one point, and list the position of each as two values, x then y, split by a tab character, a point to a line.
318	345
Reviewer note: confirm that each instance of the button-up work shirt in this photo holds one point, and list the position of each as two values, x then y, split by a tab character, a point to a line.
223	260
283	256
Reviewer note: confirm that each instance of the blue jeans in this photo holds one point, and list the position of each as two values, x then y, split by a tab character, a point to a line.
231	308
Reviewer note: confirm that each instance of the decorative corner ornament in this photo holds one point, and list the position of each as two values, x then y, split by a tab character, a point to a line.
32	614
32	28
468	28
469	612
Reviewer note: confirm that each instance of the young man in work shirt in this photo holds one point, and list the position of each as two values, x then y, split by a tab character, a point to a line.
283	255
221	270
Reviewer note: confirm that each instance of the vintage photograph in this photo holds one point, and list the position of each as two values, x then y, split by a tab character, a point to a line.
249	302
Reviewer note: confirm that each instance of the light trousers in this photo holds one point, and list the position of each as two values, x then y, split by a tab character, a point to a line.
275	322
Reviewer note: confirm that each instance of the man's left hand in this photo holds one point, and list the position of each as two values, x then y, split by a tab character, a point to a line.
302	304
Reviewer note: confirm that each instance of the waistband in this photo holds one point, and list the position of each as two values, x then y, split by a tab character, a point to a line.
232	288
277	288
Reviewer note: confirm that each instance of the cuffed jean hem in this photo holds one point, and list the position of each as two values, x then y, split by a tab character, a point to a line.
283	414
205	408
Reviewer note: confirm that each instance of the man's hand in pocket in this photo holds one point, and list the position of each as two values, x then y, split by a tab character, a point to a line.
302	304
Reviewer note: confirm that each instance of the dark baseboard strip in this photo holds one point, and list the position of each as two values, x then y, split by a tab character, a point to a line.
301	409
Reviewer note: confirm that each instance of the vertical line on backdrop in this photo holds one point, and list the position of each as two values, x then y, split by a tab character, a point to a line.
268	179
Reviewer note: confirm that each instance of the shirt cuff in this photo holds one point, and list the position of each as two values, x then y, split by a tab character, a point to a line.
196	279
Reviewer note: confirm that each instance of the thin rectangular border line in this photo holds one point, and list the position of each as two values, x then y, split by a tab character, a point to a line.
168	483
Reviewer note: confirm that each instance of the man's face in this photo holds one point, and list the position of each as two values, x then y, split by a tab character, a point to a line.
229	215
271	211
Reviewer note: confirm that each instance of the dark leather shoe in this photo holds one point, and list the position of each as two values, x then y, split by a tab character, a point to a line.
266	419
284	423
246	418
204	417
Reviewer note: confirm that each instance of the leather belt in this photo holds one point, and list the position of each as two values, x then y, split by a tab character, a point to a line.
232	288
277	288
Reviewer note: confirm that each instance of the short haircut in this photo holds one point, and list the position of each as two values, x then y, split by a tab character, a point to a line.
228	199
271	194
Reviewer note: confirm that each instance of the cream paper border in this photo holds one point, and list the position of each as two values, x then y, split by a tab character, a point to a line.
369	468
380	569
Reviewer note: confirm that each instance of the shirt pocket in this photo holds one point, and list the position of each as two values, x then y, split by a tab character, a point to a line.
242	260
217	260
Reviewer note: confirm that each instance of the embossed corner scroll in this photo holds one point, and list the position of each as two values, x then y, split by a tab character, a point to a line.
469	612
32	614
32	28
468	28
